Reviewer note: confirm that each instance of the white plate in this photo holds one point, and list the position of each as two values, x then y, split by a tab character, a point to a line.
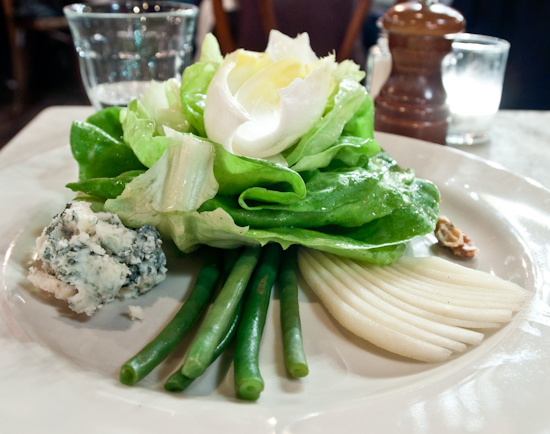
58	372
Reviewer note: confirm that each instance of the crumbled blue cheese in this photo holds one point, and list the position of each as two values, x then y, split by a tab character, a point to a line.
90	258
135	313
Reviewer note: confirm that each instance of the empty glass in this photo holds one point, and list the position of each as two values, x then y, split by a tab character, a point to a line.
123	45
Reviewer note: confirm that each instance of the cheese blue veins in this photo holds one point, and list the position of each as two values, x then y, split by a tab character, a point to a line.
90	259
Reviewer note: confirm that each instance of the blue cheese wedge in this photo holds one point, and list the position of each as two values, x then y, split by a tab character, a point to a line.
90	258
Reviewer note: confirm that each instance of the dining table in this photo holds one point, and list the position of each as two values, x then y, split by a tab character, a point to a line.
59	373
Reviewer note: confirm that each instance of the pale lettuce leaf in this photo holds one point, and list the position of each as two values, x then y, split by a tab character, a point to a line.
259	104
144	119
180	181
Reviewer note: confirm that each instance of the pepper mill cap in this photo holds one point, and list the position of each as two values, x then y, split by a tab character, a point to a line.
423	18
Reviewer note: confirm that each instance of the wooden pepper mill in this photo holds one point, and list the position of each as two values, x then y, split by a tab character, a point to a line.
412	101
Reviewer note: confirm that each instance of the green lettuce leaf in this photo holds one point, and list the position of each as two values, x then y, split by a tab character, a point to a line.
99	154
332	243
162	103
346	69
378	205
106	188
327	130
254	179
346	199
347	150
361	124
108	120
144	120
195	81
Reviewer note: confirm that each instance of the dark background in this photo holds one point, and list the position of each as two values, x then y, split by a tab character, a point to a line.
53	80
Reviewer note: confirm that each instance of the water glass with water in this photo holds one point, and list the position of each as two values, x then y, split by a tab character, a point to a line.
123	45
473	75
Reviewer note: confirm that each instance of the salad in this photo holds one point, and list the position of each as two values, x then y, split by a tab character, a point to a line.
265	163
248	151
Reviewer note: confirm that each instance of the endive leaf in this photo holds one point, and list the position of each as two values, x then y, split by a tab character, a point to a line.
259	104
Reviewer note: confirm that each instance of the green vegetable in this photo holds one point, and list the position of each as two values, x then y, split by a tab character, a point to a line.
145	119
331	199
326	131
248	380
344	210
253	179
166	341
166	197
341	194
100	155
293	347
345	69
195	81
218	319
107	188
342	245
171	190
177	382
141	133
395	208
360	124
348	151
106	164
108	120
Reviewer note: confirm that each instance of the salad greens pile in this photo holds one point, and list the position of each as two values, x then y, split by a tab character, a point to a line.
326	185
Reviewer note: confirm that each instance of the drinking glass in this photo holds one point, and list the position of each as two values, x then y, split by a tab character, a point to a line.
473	74
123	45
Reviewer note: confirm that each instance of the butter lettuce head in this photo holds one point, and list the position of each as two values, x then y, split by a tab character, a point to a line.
276	146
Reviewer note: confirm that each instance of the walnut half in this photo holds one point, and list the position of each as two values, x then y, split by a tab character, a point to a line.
449	235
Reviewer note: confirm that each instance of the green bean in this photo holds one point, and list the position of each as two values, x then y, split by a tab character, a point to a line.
248	380
230	257
293	348
166	341
218	318
178	382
